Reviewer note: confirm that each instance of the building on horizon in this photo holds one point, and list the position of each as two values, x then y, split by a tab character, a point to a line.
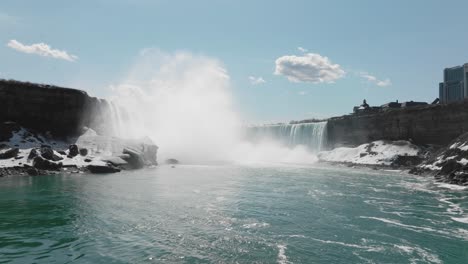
455	85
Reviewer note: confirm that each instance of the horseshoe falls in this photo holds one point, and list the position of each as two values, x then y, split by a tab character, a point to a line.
311	135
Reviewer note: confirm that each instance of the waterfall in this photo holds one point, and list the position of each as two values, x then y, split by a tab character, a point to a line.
311	135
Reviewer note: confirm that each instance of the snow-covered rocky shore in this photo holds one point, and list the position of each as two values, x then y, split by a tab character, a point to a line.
24	152
380	153
448	164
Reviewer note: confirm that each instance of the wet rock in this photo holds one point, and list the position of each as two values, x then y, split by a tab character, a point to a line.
32	154
32	171
406	161
102	169
61	152
83	152
48	153
9	153
172	161
73	150
417	171
44	164
449	167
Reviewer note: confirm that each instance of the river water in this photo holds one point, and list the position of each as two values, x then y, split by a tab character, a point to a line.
268	213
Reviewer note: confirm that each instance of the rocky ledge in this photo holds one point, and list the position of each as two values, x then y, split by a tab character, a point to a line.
381	153
448	164
27	152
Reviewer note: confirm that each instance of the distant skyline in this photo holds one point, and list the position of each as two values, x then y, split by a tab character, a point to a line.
287	60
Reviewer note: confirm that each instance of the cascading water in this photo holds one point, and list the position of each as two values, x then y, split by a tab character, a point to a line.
311	135
183	102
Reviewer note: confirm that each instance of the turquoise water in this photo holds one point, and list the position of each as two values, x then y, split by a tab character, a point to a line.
232	214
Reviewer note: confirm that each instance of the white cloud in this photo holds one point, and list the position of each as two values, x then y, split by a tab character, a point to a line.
301	49
310	67
41	49
256	80
375	80
302	93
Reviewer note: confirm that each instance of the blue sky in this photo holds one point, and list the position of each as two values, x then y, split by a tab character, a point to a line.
378	50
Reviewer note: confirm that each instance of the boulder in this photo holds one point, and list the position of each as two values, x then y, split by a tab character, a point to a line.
43	164
48	153
450	166
32	154
32	171
83	152
405	161
9	153
102	169
73	150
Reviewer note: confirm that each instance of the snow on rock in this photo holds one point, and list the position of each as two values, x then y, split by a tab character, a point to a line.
375	153
456	153
21	152
448	164
26	141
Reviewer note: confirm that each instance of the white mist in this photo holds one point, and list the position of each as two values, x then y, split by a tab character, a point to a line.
183	102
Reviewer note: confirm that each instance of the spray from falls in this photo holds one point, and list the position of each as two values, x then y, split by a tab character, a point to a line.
183	102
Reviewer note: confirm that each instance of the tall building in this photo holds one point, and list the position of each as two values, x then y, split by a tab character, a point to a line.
455	85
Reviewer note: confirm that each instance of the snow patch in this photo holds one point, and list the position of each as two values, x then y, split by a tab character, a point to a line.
375	153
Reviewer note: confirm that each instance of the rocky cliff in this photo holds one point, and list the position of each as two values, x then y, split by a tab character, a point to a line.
49	129
432	124
47	108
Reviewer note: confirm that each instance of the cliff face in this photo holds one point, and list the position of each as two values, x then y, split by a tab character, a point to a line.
60	111
432	124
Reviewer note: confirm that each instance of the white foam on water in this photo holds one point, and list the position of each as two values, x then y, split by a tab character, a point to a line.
421	229
453	207
422	254
461	219
255	225
282	258
451	186
367	248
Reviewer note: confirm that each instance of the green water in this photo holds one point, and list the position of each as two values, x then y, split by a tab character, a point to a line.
232	214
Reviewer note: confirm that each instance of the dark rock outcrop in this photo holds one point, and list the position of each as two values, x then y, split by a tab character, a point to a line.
102	169
406	161
73	150
32	154
43	164
83	152
59	111
48	153
9	153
